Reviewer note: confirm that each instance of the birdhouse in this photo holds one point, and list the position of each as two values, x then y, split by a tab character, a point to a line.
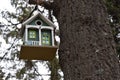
38	38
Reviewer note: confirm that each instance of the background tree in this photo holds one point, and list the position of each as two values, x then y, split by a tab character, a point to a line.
87	49
25	70
113	9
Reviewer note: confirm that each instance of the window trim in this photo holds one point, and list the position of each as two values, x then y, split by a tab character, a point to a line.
39	27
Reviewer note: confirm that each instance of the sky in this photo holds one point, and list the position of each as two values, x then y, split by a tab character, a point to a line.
6	6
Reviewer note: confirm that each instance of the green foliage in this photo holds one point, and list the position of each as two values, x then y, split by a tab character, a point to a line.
54	68
20	73
29	69
113	8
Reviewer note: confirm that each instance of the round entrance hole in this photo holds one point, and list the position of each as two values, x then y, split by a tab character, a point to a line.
38	22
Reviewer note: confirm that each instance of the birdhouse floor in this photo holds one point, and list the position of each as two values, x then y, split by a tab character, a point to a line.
37	52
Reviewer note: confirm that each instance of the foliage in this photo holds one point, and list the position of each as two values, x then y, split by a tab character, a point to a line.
25	70
54	68
113	8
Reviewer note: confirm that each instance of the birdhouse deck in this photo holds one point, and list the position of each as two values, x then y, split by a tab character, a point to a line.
37	52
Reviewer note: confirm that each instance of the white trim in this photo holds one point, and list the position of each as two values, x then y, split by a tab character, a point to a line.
33	26
26	33
52	34
42	17
39	28
47	27
40	36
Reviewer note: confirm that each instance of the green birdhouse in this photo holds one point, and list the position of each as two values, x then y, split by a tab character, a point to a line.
38	38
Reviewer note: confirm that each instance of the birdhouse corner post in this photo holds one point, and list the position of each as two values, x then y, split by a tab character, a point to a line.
53	41
40	35
25	34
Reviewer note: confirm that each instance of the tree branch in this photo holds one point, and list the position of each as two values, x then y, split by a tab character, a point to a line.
8	50
45	4
39	2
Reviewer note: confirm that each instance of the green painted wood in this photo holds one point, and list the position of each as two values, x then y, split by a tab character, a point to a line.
33	22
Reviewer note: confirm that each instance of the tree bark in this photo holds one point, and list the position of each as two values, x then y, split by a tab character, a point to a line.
87	49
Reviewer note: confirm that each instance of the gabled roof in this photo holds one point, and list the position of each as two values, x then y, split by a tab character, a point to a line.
42	17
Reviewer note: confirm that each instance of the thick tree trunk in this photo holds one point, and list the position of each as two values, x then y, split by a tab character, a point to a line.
87	50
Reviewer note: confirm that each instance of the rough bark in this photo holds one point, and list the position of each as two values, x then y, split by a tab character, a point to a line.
87	49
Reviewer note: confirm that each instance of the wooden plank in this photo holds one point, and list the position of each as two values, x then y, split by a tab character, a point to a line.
37	52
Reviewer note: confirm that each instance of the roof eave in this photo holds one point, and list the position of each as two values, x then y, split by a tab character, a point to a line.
41	16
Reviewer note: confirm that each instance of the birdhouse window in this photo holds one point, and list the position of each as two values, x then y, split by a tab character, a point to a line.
33	34
46	37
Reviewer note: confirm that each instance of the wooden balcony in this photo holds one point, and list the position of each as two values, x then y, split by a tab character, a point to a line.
46	53
32	43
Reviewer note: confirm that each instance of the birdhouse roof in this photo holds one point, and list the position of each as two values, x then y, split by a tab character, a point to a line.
32	18
42	17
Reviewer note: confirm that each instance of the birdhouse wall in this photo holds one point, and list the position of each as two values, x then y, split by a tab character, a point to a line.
40	35
38	19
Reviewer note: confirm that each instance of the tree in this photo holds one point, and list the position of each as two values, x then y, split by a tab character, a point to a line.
113	9
87	49
23	69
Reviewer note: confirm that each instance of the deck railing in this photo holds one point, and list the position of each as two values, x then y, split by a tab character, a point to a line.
32	43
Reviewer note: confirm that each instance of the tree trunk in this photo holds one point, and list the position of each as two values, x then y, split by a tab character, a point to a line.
87	49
